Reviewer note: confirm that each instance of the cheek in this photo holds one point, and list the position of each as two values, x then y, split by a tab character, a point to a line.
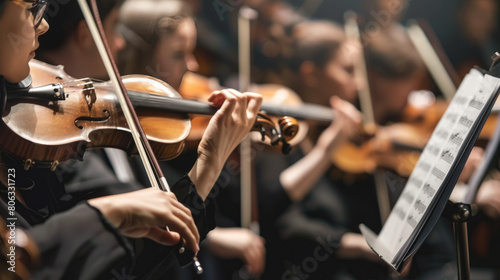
170	72
15	54
17	40
398	97
342	85
166	64
177	74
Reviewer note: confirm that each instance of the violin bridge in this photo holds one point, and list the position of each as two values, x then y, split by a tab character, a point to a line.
89	92
86	87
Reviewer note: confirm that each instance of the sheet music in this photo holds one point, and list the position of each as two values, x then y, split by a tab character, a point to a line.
426	181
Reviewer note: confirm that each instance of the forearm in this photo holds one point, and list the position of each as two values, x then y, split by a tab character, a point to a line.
204	174
299	178
354	246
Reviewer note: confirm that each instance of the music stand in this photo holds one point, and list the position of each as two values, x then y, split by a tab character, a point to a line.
425	197
461	212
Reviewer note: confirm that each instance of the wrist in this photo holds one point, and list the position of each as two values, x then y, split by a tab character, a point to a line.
204	174
107	209
330	139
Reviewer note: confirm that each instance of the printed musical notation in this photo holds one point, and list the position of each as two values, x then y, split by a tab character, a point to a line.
476	104
412	222
456	139
420	206
447	156
465	121
429	191
438	173
433	169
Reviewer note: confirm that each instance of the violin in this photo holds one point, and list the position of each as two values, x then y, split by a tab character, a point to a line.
395	147
426	115
398	146
278	100
50	124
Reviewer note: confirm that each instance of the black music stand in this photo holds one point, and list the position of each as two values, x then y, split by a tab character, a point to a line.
401	237
461	212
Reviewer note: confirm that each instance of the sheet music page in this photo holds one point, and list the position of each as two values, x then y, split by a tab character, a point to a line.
435	162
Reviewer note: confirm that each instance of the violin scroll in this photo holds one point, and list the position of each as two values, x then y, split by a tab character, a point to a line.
288	129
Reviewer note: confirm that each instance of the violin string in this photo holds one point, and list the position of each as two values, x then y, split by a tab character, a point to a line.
162	183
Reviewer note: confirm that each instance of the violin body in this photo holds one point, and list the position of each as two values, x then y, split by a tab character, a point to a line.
46	131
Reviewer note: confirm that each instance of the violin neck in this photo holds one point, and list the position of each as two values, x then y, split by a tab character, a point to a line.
178	105
301	112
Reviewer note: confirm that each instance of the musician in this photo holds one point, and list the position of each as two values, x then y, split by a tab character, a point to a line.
71	44
331	213
320	64
171	40
161	45
395	70
228	241
92	239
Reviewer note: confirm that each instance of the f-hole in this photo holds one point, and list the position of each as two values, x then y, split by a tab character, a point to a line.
92	119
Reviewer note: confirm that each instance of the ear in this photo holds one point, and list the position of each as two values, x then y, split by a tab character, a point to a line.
83	37
308	73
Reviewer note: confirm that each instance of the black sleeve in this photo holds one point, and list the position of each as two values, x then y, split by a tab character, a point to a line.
79	244
296	225
154	261
203	211
321	214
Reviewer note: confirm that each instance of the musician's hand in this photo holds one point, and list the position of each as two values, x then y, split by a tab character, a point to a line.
239	243
354	246
488	198
345	126
471	165
147	213
298	179
227	128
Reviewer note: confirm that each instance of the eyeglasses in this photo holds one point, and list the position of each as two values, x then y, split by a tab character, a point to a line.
37	9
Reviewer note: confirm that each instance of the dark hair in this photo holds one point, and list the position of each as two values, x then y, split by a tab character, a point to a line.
143	39
142	30
392	55
64	18
164	26
315	41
